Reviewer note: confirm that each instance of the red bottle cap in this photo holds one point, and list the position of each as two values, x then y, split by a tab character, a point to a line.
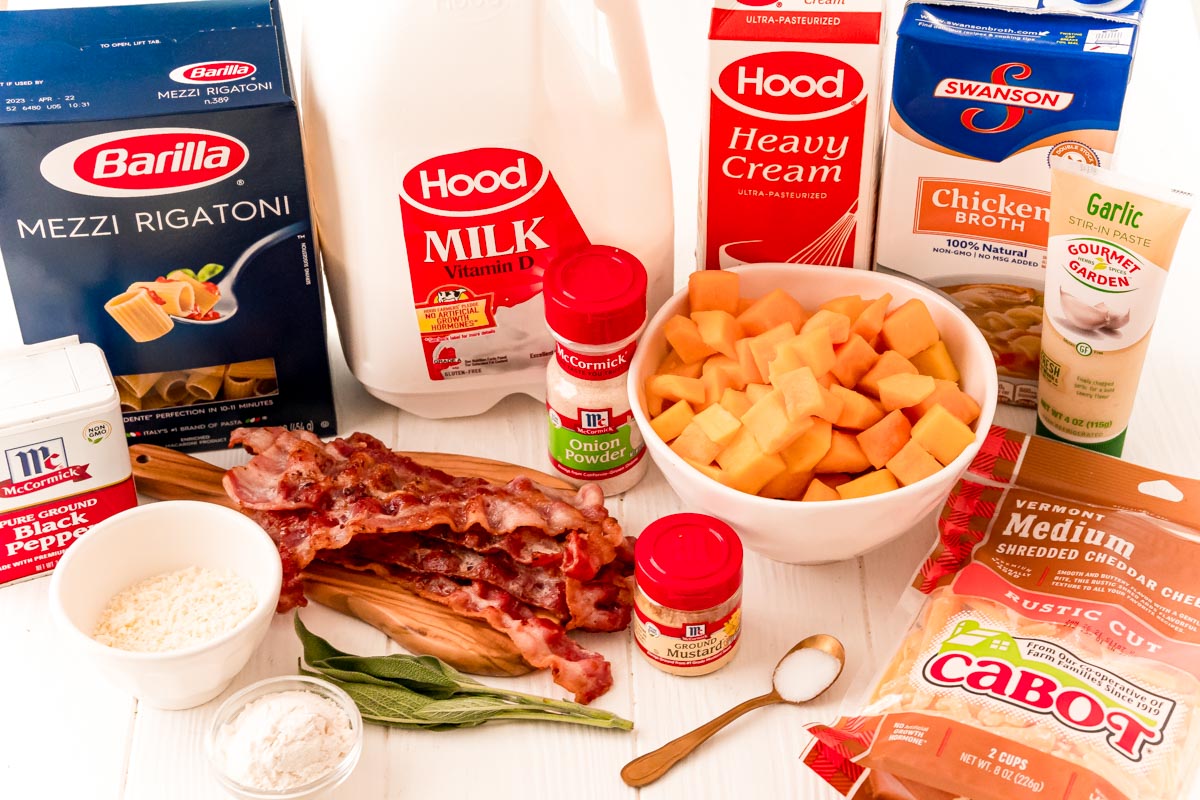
688	562
595	295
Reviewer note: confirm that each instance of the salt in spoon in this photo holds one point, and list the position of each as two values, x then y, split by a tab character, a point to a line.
650	767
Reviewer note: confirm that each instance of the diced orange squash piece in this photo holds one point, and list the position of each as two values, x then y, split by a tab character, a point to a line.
715	384
844	455
903	390
684	336
713	290
718	329
787	485
950	397
854	358
768	421
746	359
720	373
818	491
763	346
851	305
935	361
757	391
828	380
859	412
838	324
869	323
673	387
771	310
735	402
694	445
672	364
746	467
884	439
912	463
801	393
889	363
743	304
718	424
814	349
831	408
725	364
876	482
909	329
942	434
803	454
715	473
836	479
671	422
785	361
654	400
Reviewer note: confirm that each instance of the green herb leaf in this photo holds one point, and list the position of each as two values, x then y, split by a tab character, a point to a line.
176	274
209	271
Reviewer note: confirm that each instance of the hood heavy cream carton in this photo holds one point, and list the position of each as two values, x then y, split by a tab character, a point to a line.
985	93
789	163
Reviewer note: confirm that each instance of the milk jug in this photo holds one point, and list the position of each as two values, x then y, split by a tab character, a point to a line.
456	149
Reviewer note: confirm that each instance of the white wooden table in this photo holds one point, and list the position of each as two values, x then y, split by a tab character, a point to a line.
64	733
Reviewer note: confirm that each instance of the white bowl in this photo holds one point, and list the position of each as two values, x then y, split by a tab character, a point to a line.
814	533
151	540
316	788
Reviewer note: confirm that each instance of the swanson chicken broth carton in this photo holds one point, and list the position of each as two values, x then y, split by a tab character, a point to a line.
789	163
153	202
985	93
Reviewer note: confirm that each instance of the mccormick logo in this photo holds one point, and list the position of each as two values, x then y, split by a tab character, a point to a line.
789	84
1014	99
37	466
147	161
213	72
1042	678
474	182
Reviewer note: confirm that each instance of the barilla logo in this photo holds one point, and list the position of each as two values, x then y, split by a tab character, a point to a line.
791	85
148	161
1040	677
1013	99
474	182
212	72
37	466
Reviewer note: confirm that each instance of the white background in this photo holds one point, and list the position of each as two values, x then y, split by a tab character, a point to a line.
65	734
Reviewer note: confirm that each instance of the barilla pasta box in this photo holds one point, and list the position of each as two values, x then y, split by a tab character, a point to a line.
984	95
153	201
65	464
789	160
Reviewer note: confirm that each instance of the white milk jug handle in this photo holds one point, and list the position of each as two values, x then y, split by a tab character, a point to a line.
629	51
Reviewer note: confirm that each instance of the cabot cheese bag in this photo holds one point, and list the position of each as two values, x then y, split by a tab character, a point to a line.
1055	645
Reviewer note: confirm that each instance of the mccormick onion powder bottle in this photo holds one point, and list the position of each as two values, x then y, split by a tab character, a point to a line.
595	308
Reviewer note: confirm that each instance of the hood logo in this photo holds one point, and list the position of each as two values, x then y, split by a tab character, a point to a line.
482	181
212	72
143	162
1014	99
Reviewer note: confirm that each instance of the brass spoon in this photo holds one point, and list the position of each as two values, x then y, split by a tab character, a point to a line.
650	767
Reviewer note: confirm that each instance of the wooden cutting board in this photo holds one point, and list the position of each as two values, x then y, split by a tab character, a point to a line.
420	626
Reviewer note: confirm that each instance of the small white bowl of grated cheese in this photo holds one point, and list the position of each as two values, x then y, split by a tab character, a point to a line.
168	600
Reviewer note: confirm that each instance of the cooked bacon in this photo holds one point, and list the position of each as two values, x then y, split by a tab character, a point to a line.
497	553
542	642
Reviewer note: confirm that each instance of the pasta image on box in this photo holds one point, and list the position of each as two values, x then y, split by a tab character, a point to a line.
163	215
1053	651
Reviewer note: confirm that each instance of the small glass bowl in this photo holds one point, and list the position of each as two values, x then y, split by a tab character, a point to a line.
237	701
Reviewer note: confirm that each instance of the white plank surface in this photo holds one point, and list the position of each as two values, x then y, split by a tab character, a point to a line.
66	734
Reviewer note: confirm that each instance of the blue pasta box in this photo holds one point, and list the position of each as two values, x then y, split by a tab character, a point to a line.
153	202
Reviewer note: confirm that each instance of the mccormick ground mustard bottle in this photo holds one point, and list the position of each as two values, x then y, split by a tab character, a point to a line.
595	308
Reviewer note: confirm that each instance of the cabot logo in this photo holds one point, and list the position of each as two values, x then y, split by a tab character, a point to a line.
142	162
791	84
213	72
1013	99
474	182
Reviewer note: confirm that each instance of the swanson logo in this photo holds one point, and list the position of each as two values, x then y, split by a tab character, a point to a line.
1042	678
1013	99
147	161
213	72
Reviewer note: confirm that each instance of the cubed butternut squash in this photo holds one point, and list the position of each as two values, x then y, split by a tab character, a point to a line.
949	396
801	393
746	359
814	349
844	455
885	438
819	492
805	453
745	466
837	323
671	422
763	346
672	364
757	391
912	463
768	421
859	412
935	361
941	433
909	329
787	485
684	337
831	407
694	445
673	387
876	482
853	359
713	290
709	470
719	330
890	363
735	402
718	424
869	323
772	309
851	305
903	390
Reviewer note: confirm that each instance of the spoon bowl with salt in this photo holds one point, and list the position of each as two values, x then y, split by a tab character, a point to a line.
804	672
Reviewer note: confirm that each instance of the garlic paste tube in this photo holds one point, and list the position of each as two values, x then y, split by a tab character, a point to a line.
1111	243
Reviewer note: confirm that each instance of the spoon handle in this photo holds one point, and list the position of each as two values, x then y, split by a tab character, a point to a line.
650	767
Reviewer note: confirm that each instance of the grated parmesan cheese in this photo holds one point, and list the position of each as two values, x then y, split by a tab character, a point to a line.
175	610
